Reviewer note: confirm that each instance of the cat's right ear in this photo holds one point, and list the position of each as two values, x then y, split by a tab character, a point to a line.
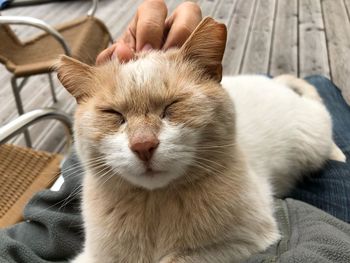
75	76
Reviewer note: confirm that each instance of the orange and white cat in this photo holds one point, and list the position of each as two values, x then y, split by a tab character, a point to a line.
180	168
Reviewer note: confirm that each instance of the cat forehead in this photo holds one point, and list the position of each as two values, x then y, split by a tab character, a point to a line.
152	78
150	68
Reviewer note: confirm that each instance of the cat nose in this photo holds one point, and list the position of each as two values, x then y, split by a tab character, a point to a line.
144	147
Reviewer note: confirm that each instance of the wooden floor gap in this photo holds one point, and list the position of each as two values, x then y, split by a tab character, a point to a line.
326	36
272	37
298	37
251	22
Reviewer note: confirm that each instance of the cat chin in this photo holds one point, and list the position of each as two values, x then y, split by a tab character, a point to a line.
151	181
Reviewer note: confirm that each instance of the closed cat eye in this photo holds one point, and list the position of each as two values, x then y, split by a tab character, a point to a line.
114	112
166	109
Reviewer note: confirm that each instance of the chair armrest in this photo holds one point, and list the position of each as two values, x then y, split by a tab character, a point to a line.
30	21
90	12
17	126
93	8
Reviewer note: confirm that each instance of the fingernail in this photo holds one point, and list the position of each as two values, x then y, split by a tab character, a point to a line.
147	47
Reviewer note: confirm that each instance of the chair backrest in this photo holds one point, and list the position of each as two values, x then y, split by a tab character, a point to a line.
9	45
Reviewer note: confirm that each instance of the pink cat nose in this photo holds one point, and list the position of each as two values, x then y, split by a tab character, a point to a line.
144	147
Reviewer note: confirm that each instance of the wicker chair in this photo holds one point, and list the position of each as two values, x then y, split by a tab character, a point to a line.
83	38
24	171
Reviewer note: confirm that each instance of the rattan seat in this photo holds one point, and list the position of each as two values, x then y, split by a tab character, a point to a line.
86	36
23	172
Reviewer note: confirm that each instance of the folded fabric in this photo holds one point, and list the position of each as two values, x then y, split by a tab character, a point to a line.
308	235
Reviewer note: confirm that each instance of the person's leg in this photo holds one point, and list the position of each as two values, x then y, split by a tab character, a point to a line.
329	189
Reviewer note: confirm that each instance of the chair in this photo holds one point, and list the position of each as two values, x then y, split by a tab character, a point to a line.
24	171
83	38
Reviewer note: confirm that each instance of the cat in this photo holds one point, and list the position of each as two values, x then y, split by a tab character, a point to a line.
180	168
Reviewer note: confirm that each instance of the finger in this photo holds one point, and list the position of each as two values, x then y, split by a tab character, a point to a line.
181	24
150	21
119	50
123	52
129	36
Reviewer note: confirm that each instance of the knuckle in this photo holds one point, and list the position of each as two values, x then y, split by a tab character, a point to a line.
151	25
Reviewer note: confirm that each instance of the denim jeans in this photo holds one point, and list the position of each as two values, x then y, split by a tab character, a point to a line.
329	189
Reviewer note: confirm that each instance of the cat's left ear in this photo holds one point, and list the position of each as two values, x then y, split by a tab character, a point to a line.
206	47
75	76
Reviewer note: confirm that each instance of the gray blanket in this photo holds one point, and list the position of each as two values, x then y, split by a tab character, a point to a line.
53	230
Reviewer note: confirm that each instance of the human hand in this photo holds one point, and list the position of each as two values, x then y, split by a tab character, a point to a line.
151	29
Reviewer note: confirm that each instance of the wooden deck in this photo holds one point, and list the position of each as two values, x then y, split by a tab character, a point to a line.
301	37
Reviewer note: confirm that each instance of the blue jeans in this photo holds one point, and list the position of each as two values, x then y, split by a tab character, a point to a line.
329	189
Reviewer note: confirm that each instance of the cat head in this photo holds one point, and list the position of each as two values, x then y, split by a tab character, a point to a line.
157	119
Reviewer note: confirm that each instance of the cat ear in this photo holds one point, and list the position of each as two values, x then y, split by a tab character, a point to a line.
75	76
206	46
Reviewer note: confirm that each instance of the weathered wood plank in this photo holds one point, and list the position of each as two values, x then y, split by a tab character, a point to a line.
313	55
208	7
171	4
238	31
117	18
347	5
5	77
284	56
257	55
224	11
337	26
109	9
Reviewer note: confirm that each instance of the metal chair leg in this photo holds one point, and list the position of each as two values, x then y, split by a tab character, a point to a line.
52	88
18	100
20	110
